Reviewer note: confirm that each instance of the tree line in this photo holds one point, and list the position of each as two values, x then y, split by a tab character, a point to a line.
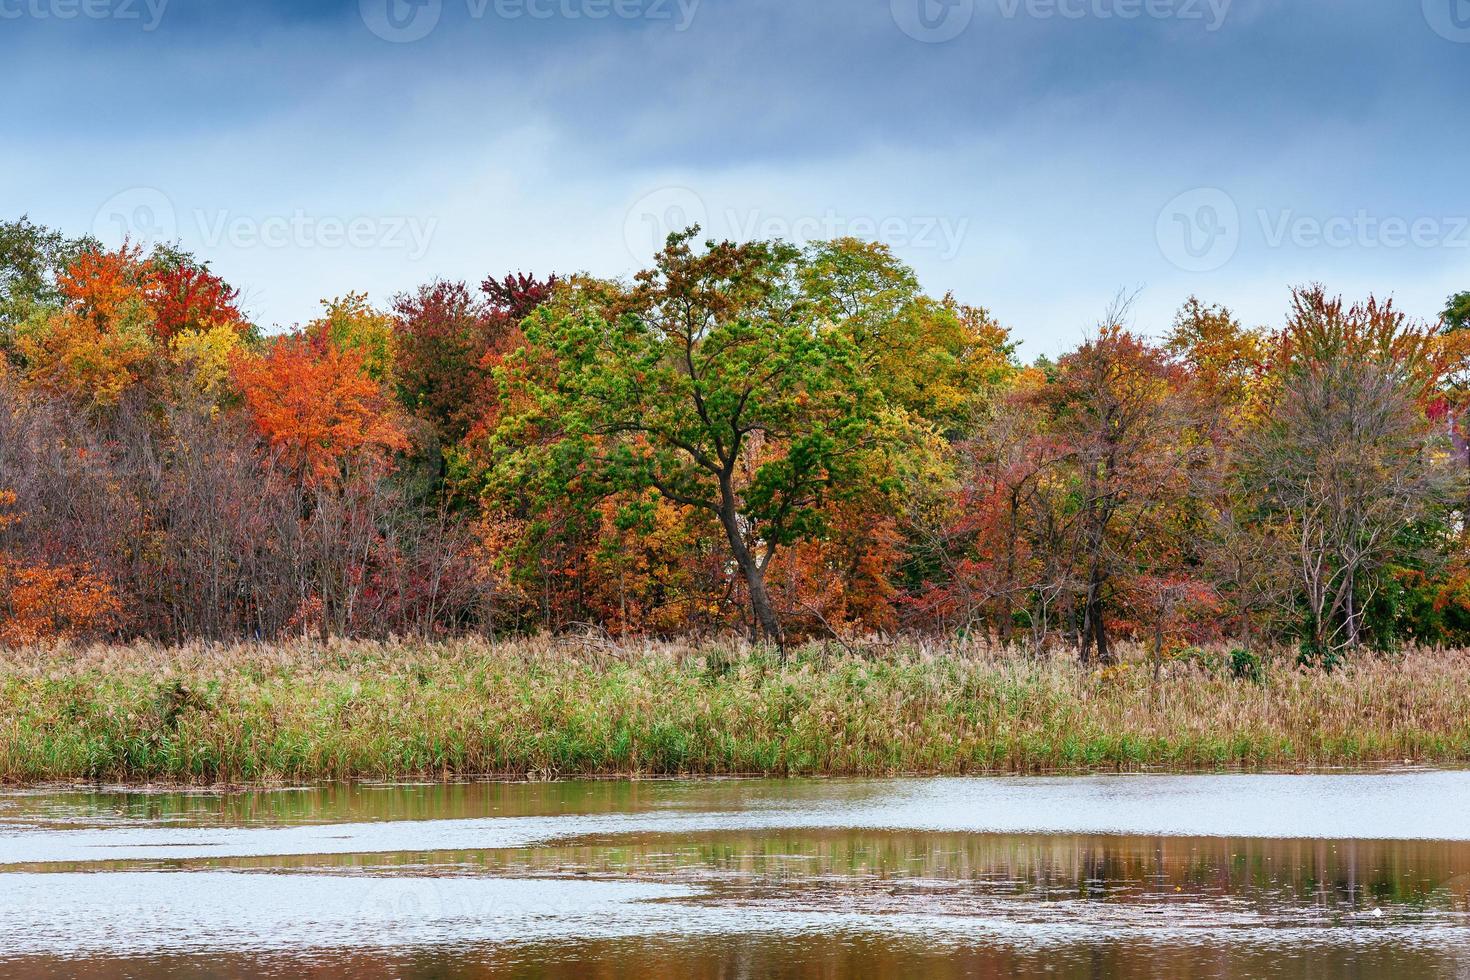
792	442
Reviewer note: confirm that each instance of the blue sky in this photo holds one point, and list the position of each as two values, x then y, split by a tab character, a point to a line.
1032	156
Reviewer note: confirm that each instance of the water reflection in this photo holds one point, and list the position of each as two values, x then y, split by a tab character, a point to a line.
361	802
1397	804
700	879
804	957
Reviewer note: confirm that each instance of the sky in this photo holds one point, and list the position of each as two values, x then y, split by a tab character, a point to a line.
1035	157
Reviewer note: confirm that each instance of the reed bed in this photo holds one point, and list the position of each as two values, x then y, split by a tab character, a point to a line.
300	712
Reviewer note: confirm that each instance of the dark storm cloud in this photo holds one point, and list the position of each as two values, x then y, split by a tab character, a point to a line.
1057	129
717	81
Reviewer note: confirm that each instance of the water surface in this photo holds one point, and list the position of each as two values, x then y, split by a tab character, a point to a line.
1171	876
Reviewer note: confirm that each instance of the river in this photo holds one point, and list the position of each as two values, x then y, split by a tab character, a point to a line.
1288	876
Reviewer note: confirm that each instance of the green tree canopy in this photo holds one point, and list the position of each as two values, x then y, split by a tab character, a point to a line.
31	256
1457	311
715	385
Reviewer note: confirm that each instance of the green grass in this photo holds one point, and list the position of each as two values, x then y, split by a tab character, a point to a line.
299	712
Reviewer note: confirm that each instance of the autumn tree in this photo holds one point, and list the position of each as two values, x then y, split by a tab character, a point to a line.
716	389
1456	315
998	542
449	341
1347	463
125	319
1226	364
937	359
333	429
1114	405
350	324
318	408
1227	375
32	260
98	344
190	299
41	602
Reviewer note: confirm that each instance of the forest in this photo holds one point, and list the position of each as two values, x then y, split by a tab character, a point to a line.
785	442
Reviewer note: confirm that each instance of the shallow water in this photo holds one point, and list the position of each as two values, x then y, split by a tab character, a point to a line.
1171	876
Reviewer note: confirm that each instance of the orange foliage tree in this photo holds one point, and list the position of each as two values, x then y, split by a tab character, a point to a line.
333	429
97	344
318	408
41	603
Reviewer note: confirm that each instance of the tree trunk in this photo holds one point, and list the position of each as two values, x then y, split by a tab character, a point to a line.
1104	651
323	574
1007	609
760	602
1354	637
1166	613
1094	632
755	577
1084	640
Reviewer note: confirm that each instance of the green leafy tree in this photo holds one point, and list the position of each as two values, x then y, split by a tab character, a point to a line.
32	257
715	386
940	360
1456	313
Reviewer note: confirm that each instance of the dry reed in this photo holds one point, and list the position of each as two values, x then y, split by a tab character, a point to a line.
301	712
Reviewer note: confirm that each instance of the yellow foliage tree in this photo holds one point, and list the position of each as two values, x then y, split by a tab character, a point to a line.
204	357
352	324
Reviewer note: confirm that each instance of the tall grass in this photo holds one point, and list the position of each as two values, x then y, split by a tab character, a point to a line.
300	712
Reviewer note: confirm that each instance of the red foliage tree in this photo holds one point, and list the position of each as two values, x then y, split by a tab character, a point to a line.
190	297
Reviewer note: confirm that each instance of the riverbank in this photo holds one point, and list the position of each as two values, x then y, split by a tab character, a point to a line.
299	712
